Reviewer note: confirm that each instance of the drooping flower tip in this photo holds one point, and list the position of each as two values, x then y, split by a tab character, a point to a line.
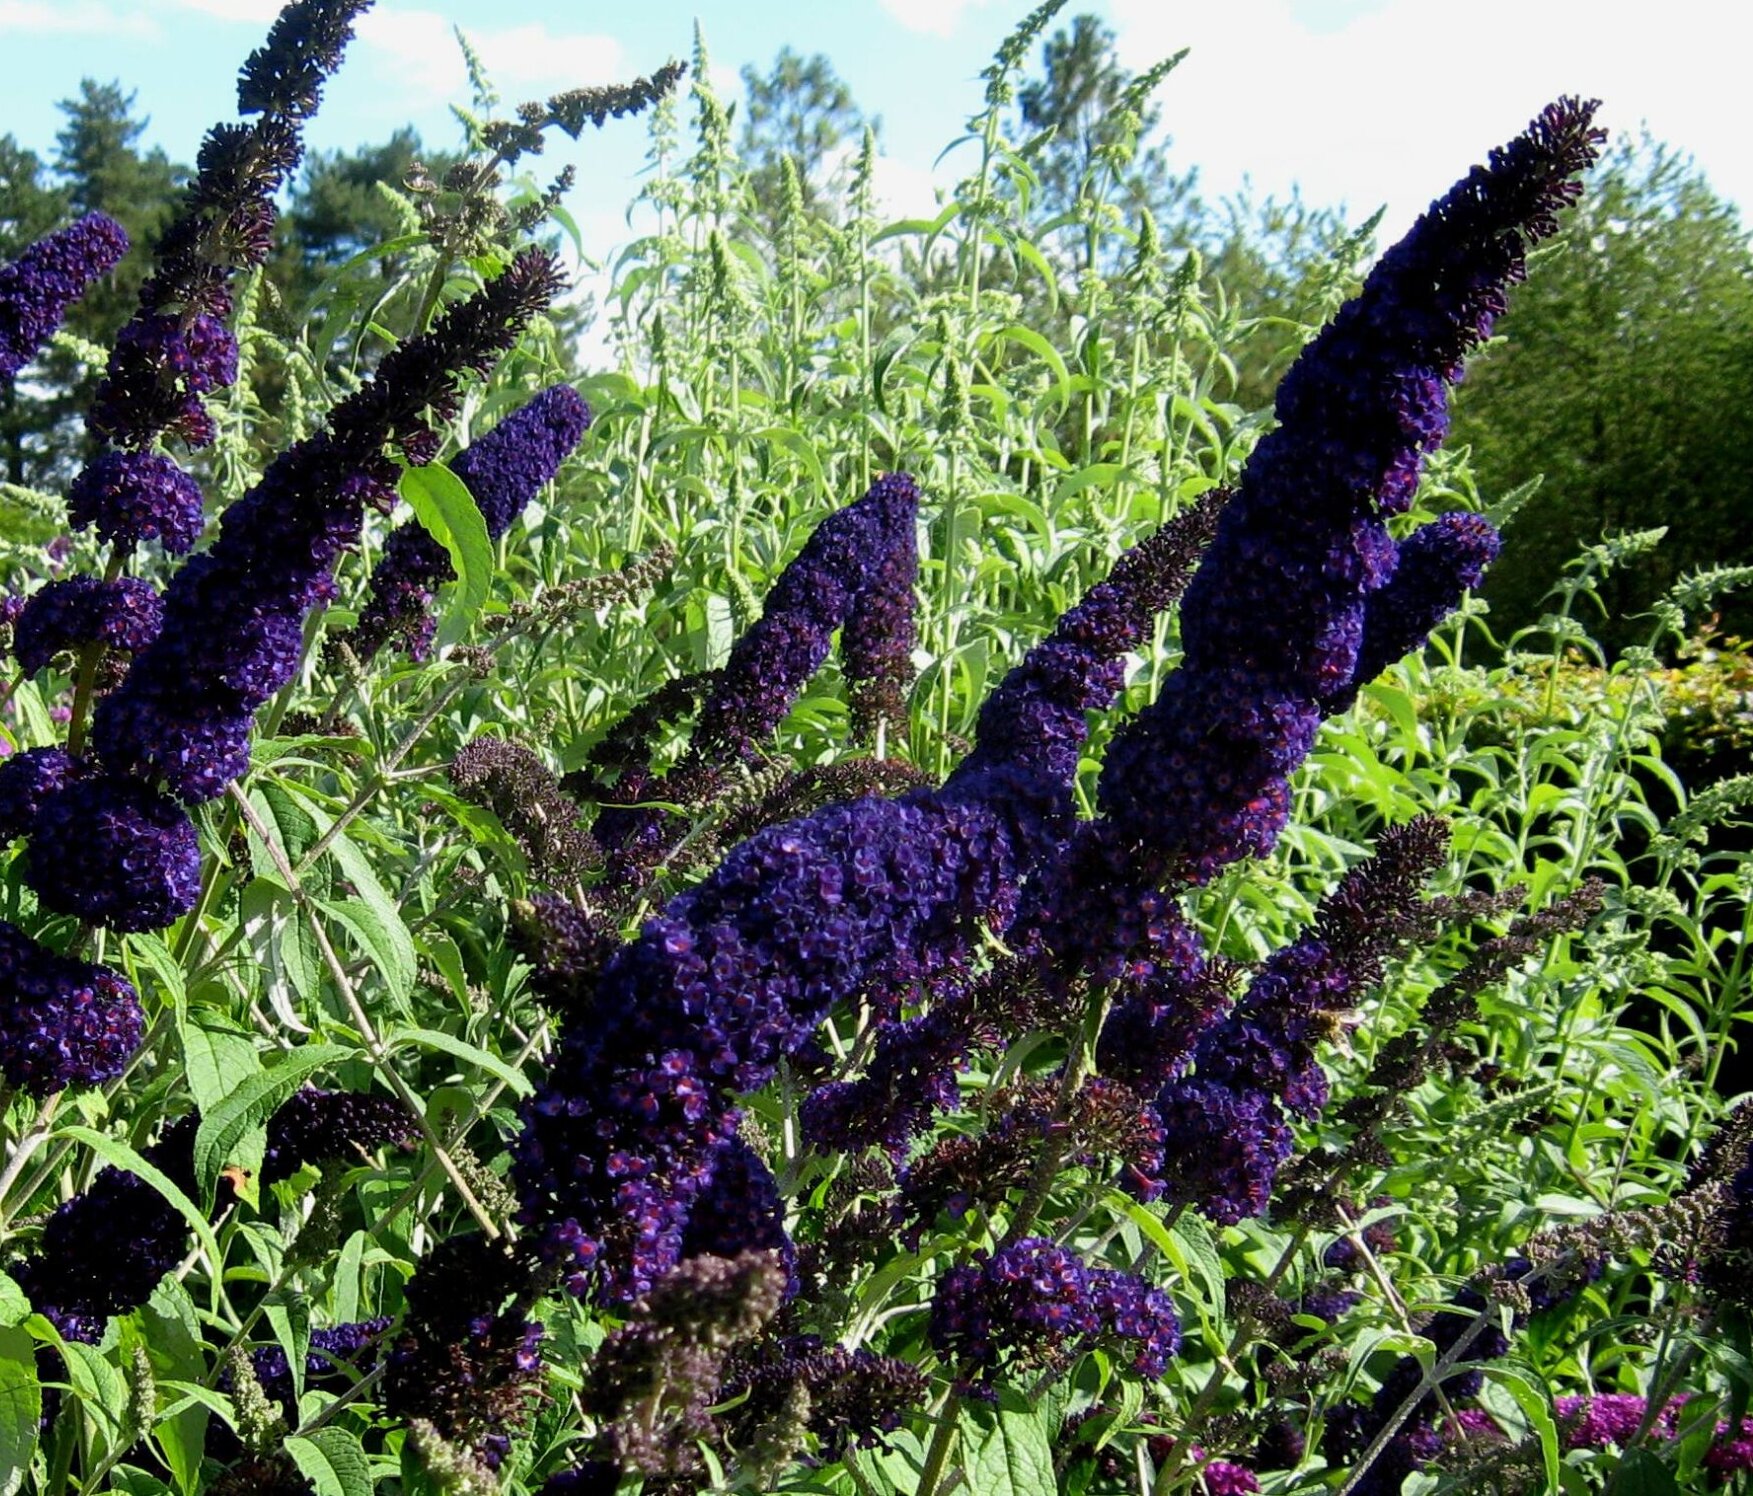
129	497
67	1023
37	288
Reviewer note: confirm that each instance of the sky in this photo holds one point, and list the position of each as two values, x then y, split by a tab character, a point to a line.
1360	103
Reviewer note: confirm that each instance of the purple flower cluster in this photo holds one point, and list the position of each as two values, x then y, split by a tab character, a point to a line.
313	1125
739	1210
1605	1418
1434	566
103	1252
28	781
159	370
1225	1134
125	613
177	348
504	470
869	547
233	620
1222	1149
37	288
329	1350
868	543
129	497
911	1077
64	1022
1032	1301
112	852
1275	620
466	1357
1032	729
732	975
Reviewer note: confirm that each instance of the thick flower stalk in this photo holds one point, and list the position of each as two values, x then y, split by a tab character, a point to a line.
39	286
1274	623
503	471
234	616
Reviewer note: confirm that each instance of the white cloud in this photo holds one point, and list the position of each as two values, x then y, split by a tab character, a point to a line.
1394	105
256	12
933	17
48	18
519	59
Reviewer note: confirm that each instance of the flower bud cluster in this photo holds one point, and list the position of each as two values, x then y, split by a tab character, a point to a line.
467	1359
655	1380
177	348
518	788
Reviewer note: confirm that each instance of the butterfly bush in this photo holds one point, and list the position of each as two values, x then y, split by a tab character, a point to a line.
1274	623
705	1169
